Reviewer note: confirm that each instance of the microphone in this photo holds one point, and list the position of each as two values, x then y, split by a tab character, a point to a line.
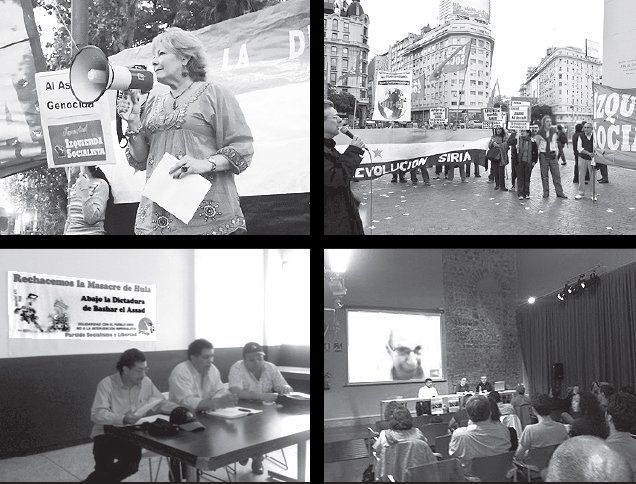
344	130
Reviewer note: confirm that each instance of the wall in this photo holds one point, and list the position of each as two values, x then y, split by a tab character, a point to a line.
542	271
481	333
477	289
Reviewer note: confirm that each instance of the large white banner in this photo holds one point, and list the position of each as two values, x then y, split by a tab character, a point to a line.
393	96
58	307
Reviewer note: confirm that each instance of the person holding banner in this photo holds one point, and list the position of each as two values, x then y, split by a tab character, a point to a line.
341	207
202	125
547	142
88	200
585	147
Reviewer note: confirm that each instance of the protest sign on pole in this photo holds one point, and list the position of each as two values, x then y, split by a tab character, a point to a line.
49	307
492	118
75	133
438	116
519	114
615	126
393	96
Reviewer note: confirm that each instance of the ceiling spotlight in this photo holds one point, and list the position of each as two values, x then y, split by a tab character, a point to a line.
561	296
531	300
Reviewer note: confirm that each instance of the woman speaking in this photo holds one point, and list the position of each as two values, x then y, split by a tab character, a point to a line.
202	125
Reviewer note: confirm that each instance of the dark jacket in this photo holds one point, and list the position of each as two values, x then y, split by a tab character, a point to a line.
512	142
562	138
528	151
503	148
584	425
341	207
575	140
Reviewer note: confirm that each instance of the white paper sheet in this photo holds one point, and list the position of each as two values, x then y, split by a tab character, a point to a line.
233	412
152	418
179	196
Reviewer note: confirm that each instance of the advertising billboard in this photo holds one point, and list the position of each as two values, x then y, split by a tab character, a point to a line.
472	8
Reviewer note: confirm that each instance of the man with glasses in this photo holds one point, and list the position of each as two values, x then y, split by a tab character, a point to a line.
341	207
406	357
253	378
118	401
585	147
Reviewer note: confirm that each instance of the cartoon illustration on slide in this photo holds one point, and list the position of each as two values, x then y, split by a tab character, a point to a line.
28	313
59	320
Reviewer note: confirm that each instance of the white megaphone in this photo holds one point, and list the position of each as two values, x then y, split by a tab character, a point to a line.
91	75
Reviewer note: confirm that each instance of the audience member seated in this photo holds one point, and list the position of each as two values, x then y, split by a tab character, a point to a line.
523	408
481	438
587	459
401	431
604	392
504	408
462	386
520	398
591	421
427	391
495	416
621	418
460	418
543	434
574	413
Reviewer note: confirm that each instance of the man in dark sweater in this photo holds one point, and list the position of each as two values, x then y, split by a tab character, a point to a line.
341	207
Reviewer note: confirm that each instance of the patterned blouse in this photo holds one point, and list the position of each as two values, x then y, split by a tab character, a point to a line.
208	121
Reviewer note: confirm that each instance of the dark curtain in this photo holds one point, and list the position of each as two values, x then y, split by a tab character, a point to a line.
593	334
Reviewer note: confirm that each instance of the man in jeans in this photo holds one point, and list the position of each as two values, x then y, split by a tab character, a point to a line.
546	139
585	147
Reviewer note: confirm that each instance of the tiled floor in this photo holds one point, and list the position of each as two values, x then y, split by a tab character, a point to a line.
75	463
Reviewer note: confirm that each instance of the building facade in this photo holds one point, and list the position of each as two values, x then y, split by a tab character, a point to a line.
346	51
447	12
377	64
466	90
397	59
563	80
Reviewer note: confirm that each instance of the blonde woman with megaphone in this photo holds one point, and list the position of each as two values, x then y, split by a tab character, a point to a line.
200	123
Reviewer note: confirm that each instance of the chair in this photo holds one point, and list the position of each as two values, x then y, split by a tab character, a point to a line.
535	461
492	468
399	457
441	445
431	431
442	471
512	421
523	412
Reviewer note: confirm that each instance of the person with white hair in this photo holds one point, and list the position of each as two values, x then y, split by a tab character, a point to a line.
199	122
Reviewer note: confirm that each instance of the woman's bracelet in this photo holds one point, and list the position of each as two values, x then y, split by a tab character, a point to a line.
132	132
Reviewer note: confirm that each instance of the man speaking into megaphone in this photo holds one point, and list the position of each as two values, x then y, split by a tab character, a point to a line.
198	128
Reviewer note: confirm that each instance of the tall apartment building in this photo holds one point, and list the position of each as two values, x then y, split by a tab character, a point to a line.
346	50
563	80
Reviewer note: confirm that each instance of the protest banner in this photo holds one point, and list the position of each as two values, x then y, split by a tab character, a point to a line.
392	150
59	307
418	90
393	96
438	116
614	126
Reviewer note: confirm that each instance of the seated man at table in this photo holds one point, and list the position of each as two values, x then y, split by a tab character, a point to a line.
484	385
543	434
253	378
196	383
116	401
462	386
481	438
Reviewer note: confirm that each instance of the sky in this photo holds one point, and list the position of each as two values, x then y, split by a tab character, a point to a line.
522	30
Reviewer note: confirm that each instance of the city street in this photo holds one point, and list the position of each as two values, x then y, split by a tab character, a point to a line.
475	208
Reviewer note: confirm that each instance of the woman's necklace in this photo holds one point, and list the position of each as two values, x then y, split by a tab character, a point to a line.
174	103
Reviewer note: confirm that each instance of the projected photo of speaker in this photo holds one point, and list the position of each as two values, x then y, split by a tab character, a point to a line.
91	75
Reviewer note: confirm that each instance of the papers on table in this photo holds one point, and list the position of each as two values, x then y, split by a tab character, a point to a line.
152	418
179	196
298	395
233	412
141	411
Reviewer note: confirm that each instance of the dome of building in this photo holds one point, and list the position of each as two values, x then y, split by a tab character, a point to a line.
355	9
